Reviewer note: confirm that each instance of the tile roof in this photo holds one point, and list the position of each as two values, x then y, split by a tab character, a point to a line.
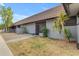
50	13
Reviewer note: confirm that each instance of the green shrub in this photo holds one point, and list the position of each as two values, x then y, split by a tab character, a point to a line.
68	34
45	32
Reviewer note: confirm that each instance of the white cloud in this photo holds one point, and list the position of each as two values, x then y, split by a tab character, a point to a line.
2	4
17	17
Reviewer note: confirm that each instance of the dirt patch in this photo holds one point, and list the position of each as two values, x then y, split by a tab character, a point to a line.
40	46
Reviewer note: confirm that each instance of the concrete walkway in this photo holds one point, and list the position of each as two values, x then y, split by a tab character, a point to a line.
4	50
19	38
10	37
13	37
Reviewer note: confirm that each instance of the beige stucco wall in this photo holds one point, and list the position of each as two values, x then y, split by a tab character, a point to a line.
19	30
52	32
55	34
31	28
73	30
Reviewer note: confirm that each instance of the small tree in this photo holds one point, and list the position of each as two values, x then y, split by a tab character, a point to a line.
59	25
59	22
7	16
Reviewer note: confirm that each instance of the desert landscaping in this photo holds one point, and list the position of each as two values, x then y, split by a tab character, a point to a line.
41	46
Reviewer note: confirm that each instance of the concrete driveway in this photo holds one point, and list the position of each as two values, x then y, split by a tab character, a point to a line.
12	37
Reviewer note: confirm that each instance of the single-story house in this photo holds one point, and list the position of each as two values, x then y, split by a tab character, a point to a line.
35	23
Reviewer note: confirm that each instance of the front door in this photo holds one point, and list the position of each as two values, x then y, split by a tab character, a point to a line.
40	26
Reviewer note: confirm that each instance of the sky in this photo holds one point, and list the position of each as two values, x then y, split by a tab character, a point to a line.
24	10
